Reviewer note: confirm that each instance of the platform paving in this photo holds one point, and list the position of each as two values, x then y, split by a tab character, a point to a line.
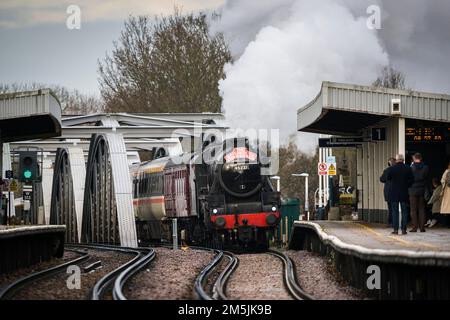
377	236
376	241
412	266
22	230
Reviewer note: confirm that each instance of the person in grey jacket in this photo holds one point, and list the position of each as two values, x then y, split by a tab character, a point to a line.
417	193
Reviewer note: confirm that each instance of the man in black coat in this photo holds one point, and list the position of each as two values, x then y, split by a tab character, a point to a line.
387	187
401	178
417	193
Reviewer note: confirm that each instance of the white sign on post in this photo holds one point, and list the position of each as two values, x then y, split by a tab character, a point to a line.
322	168
331	159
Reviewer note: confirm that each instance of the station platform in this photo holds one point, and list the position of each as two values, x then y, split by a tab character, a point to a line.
22	246
412	266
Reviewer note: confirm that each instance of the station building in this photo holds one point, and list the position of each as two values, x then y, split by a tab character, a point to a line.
380	123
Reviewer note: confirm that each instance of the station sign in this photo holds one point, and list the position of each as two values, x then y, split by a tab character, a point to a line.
378	134
427	134
322	169
332	168
336	142
27	193
9	174
13	186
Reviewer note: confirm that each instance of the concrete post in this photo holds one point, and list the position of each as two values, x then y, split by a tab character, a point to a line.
175	234
401	149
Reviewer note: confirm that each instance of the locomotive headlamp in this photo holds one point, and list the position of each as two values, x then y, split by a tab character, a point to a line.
274	208
215	211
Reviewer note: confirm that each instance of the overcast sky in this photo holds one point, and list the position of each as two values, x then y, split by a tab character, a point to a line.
35	44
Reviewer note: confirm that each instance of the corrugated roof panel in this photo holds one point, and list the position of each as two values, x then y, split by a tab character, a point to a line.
375	101
29	115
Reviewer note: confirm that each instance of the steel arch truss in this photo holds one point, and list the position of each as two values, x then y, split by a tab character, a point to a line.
108	215
67	191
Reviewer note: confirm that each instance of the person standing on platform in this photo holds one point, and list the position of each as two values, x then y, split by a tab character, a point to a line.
401	178
435	202
445	205
417	193
386	190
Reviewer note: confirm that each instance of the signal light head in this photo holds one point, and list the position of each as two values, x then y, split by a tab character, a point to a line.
27	174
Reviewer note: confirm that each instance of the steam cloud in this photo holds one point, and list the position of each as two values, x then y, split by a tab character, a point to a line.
289	48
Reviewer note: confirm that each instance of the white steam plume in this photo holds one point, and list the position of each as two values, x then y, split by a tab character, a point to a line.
302	44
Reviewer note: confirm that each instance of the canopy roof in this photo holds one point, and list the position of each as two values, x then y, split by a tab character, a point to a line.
345	109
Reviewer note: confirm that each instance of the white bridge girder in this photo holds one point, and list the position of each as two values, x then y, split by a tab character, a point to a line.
78	171
122	190
125	135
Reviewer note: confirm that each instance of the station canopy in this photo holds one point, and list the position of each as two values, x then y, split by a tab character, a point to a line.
346	109
29	115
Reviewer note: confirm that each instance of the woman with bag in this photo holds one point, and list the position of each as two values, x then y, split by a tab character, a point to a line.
445	206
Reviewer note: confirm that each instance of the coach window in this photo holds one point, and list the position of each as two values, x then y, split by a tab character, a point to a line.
135	186
150	184
147	184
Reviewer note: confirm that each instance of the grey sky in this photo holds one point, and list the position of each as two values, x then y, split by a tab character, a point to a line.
36	46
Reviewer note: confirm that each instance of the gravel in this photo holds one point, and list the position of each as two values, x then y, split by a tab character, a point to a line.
6	279
318	277
257	277
55	286
171	275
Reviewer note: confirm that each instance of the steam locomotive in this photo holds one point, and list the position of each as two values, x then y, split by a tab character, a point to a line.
219	200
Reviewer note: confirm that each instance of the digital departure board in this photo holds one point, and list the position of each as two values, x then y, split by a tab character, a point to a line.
428	134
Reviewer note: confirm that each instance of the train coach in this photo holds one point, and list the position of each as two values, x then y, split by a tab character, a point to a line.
219	200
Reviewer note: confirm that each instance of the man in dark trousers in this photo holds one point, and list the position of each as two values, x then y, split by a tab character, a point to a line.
401	178
417	193
387	186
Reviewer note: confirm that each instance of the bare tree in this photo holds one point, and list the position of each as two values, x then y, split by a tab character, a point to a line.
165	64
390	78
293	160
72	102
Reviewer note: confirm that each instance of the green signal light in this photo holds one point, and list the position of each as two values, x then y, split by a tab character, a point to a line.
27	174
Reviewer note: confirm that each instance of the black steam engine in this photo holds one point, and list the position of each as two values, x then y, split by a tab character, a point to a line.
218	196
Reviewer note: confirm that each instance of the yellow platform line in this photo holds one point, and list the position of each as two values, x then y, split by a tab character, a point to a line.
396	238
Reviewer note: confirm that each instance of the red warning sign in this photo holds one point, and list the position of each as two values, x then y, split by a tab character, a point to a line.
322	168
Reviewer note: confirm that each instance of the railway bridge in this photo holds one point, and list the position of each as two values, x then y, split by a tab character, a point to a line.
86	184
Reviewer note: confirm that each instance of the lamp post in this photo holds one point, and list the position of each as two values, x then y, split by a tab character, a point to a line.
277	178
306	175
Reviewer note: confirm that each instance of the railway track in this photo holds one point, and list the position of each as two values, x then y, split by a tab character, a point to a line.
111	284
11	289
105	287
217	291
290	279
